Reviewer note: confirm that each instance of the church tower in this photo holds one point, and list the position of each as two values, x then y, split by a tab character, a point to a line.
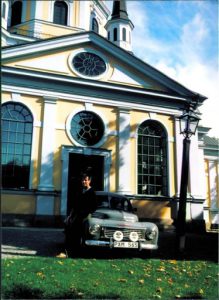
119	27
26	21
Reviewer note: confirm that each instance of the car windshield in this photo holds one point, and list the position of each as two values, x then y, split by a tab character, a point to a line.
117	203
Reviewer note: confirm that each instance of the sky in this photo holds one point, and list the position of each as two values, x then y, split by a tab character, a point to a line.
180	38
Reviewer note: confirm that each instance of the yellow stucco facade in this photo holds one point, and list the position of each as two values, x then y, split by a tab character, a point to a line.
63	68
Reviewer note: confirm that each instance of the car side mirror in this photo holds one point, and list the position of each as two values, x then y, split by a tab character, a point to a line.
135	209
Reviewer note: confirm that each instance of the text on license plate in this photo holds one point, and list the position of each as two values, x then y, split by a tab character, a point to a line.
125	245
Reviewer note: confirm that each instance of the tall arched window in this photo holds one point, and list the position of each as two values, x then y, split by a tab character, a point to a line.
17	127
152	159
124	34
115	34
60	13
95	26
16	13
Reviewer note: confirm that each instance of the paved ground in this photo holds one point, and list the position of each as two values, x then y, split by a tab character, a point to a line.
22	242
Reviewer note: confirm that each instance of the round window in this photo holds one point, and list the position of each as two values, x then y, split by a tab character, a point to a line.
87	128
89	64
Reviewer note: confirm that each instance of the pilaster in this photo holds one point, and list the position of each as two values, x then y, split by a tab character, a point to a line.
45	201
124	152
48	139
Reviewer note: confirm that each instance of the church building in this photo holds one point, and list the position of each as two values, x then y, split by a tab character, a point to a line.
75	99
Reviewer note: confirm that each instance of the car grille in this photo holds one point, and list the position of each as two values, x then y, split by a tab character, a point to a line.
109	231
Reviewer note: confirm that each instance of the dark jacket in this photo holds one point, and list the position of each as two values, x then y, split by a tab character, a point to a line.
85	204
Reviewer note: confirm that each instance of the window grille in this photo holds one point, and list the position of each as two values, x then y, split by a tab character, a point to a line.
60	13
152	159
17	127
87	128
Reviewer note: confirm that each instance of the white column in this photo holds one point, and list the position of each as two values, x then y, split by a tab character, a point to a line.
196	170
214	197
84	15
70	13
48	139
24	12
178	149
124	152
36	10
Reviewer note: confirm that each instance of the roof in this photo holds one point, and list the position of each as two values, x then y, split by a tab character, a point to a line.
119	10
210	141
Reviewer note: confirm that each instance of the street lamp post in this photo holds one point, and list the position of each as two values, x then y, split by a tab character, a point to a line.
188	125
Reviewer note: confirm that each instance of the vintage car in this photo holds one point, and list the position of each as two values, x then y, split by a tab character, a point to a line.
114	225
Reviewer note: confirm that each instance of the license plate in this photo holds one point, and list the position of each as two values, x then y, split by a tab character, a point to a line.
125	245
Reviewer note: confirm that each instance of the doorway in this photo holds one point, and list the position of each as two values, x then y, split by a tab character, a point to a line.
79	164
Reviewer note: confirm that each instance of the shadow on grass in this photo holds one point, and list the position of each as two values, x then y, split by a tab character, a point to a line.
26	292
198	247
47	243
23	292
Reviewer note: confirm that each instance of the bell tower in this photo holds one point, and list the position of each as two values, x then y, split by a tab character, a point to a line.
119	27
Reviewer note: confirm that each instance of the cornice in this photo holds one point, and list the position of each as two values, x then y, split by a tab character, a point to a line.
71	88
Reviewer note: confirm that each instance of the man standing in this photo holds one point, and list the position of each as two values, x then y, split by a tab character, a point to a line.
84	204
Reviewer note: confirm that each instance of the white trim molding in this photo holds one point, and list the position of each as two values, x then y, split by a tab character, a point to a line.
66	150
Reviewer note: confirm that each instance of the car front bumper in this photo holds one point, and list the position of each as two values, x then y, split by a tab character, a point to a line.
109	244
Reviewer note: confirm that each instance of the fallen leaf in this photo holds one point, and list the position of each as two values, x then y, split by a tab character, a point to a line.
130	272
141	281
159	290
122	280
172	261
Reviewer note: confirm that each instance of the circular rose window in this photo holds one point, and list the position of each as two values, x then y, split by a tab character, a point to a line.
89	64
87	128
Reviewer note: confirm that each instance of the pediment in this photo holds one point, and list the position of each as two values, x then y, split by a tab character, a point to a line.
55	56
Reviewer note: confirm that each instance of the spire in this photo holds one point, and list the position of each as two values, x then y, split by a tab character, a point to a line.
119	10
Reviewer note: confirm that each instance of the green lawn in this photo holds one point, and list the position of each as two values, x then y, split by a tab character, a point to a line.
129	278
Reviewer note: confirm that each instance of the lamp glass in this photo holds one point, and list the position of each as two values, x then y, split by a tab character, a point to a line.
188	123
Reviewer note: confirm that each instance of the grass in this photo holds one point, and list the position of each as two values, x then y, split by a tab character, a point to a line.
129	278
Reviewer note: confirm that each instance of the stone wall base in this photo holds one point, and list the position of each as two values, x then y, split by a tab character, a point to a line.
19	220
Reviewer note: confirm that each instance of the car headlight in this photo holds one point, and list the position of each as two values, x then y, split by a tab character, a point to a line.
118	236
133	236
150	234
94	229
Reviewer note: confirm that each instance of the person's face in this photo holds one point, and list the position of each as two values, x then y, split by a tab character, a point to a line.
86	182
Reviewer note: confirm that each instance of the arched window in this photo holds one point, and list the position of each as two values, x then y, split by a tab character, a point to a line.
152	159
16	13
17	127
3	10
95	26
60	13
124	34
115	34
